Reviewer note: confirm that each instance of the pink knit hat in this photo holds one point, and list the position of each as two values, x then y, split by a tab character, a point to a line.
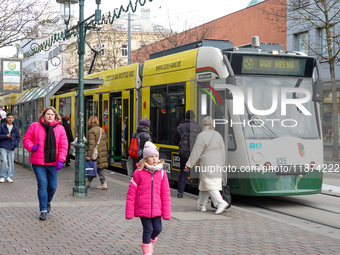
149	149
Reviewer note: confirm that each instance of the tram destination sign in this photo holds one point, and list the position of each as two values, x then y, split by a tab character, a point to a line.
11	75
247	64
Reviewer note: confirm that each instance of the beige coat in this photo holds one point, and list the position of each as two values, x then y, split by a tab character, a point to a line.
210	158
102	147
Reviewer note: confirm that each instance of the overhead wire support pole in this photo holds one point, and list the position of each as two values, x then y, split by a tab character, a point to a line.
80	189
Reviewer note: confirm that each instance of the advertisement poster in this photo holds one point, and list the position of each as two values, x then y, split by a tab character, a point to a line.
11	75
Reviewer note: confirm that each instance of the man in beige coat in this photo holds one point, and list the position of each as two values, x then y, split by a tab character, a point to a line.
210	150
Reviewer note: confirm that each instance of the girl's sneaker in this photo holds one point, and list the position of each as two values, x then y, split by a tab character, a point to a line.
9	179
2	179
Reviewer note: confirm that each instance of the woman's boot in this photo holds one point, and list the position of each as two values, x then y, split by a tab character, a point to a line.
146	247
103	186
88	183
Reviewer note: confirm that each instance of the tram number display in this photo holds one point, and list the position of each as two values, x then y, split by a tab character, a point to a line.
272	65
281	161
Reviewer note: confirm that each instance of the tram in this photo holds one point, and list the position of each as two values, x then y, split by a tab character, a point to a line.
265	105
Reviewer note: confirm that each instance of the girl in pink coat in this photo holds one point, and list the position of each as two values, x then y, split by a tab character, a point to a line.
148	196
47	142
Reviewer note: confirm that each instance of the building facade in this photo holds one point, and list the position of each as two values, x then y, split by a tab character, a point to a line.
309	37
111	41
237	27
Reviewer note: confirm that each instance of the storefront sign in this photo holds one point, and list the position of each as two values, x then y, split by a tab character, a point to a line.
11	75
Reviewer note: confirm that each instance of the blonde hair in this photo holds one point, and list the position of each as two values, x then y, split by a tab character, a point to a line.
93	120
56	117
142	162
208	121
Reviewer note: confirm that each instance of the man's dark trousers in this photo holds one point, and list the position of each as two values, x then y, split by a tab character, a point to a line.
182	178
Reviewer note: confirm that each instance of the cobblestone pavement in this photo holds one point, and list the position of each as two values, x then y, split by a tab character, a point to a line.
95	224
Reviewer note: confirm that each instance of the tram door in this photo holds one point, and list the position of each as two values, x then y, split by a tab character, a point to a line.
215	105
115	135
88	113
126	124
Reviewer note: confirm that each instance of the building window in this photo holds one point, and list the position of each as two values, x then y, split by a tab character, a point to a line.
124	50
302	42
136	27
158	28
323	42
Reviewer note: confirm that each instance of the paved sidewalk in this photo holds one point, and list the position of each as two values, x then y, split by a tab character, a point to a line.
96	225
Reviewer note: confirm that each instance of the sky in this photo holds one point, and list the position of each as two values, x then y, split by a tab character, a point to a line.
181	14
178	15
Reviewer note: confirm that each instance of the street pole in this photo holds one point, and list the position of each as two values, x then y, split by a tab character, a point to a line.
80	189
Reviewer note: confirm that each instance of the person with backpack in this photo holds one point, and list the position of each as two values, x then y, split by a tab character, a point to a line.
185	137
138	140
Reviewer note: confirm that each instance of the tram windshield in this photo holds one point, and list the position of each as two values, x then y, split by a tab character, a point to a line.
294	123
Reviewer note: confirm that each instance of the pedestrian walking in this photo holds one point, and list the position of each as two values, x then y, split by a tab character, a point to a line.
143	134
47	142
209	149
148	196
2	116
185	135
97	134
9	140
70	139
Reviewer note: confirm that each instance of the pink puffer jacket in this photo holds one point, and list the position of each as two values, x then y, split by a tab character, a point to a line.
148	195
36	135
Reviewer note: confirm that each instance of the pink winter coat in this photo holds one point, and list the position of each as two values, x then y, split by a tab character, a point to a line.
36	135
148	195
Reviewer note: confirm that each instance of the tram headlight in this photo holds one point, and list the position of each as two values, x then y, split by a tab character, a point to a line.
267	165
312	164
257	157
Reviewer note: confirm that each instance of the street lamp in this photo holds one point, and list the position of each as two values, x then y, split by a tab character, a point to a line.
79	189
66	9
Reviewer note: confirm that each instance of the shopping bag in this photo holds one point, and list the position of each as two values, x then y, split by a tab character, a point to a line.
91	169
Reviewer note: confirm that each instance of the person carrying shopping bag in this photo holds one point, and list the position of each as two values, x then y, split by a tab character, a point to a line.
47	142
148	196
97	140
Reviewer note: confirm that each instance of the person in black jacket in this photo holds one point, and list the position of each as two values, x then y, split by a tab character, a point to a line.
145	135
188	126
9	140
70	139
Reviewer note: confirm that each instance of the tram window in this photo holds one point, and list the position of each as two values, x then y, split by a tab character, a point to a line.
167	111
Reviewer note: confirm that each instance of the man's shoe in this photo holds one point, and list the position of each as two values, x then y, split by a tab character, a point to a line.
42	216
2	179
67	164
179	195
48	207
9	179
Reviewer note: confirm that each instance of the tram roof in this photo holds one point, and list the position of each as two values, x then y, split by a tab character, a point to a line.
56	88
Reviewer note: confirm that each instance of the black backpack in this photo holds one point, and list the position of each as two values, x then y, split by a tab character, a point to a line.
187	141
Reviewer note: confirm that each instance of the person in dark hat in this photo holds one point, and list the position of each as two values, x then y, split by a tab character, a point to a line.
189	128
144	134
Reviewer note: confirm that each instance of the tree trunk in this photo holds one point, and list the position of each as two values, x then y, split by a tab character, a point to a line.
335	124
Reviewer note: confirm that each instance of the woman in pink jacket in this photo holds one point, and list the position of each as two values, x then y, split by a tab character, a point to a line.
148	196
47	142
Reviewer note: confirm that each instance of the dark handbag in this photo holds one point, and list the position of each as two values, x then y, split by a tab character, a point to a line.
91	169
226	195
